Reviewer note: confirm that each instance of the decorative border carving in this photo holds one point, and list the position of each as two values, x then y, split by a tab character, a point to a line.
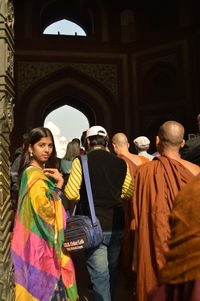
6	125
9	16
31	72
6	113
10	61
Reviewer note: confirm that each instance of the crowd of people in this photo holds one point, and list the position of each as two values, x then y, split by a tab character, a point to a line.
147	205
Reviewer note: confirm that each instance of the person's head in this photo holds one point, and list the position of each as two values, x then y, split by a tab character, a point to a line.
83	138
96	136
39	148
170	136
73	150
77	141
120	143
76	146
141	143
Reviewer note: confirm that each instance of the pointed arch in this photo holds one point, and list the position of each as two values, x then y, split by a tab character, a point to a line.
64	27
55	11
66	86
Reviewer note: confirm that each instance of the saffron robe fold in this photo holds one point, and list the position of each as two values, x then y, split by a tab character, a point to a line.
127	247
181	274
36	247
144	159
183	258
156	185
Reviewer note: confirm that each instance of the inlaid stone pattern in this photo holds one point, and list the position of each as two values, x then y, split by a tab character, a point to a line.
10	60
6	219
6	125
6	212
6	113
9	16
31	72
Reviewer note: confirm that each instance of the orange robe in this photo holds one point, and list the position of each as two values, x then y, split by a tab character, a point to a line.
127	247
183	258
181	274
144	159
132	166
156	184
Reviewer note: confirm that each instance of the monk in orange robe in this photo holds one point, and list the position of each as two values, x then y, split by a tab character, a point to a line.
181	274
156	185
121	147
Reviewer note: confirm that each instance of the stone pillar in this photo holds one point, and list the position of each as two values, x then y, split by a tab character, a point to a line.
6	125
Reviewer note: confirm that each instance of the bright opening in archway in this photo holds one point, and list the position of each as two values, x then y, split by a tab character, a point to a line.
65	124
64	27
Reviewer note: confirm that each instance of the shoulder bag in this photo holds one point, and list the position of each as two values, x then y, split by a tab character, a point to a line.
83	232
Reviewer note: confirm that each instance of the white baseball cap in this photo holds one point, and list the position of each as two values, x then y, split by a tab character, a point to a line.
96	130
141	141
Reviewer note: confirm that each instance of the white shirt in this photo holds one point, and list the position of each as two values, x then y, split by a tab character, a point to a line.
146	155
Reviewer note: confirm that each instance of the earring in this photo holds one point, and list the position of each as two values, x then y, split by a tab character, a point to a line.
31	154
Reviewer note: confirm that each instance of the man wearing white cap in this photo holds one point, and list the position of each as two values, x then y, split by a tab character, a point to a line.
111	183
142	144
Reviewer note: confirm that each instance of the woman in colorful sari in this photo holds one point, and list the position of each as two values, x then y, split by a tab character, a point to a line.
42	272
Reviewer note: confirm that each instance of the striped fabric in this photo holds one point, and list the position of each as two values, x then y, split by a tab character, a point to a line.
37	240
72	189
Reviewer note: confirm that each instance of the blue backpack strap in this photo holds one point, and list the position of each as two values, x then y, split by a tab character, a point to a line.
84	161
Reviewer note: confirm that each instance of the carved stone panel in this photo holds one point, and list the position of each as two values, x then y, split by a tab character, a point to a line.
6	125
106	74
7	12
6	220
10	60
6	113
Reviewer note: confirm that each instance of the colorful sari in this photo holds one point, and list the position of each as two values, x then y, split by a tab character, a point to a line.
36	247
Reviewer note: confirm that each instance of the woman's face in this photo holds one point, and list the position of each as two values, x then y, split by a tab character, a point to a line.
42	150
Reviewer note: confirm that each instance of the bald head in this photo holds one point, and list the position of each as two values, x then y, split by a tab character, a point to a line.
171	133
120	139
120	144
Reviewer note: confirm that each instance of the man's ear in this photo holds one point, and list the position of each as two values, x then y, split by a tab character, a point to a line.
88	141
182	143
157	140
114	146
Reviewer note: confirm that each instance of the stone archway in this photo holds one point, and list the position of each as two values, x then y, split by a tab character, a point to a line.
66	86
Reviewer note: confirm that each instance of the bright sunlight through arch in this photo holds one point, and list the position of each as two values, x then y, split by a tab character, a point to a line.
65	124
64	27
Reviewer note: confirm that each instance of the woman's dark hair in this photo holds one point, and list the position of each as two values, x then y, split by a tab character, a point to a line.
98	140
83	138
33	137
76	140
73	150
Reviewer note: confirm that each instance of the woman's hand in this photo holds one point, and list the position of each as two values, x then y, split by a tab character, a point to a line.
56	175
